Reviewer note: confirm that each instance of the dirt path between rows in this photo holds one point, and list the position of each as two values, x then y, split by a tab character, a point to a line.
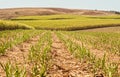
19	54
63	62
111	58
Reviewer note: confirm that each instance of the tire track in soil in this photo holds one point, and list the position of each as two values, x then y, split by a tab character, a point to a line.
111	58
19	54
63	63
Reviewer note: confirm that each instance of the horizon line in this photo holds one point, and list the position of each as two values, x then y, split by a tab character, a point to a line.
56	8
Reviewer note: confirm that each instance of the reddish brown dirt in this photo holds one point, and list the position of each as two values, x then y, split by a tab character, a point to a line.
110	57
15	12
63	63
18	54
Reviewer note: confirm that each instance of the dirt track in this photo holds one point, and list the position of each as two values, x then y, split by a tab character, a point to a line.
63	63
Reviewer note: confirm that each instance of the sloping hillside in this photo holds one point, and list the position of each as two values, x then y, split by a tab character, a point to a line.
15	12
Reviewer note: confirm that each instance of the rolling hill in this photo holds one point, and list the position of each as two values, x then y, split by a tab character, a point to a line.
15	12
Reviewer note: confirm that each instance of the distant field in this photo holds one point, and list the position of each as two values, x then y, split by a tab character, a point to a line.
69	22
60	22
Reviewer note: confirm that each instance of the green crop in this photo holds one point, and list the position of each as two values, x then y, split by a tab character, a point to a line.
39	56
108	41
13	71
8	39
84	54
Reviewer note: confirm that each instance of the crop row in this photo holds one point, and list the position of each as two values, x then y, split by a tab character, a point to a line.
39	56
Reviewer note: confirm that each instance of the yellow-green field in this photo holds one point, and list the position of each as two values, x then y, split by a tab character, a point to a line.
60	22
69	22
9	25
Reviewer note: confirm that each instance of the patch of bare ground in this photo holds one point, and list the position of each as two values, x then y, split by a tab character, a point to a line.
107	29
19	54
64	64
16	12
110	57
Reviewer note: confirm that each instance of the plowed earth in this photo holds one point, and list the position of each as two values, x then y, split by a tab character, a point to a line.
64	64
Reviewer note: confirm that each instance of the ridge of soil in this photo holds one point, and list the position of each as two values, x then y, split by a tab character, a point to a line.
19	54
64	64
